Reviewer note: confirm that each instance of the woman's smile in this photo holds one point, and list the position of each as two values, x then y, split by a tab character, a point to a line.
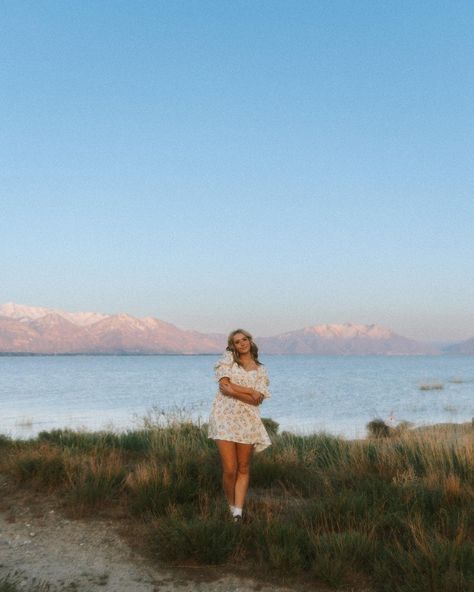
242	343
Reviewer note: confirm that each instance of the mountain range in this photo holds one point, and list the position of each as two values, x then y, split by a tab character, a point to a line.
465	347
25	329
37	330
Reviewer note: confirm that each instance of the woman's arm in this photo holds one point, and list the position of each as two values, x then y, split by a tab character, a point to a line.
242	393
243	390
263	383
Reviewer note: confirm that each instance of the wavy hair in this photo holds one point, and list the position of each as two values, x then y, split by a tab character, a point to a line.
235	353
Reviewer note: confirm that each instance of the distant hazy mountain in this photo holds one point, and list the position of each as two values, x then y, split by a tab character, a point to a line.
465	347
346	339
25	329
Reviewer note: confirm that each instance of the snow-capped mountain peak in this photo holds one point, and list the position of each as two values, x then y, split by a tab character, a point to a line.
349	331
23	312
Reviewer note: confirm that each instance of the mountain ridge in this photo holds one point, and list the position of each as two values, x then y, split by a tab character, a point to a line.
464	347
27	329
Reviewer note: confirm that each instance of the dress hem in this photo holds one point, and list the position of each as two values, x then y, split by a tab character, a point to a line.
259	446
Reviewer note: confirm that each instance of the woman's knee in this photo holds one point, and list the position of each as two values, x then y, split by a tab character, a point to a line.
243	468
230	472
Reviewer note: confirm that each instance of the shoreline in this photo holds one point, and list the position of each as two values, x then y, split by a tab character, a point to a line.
401	428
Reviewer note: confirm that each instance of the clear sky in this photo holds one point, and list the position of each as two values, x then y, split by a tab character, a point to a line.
264	164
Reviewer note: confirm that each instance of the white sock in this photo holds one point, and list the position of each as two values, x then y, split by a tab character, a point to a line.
236	512
232	509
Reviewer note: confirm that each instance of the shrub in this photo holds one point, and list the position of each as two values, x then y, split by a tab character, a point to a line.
5	441
270	425
44	467
93	481
377	428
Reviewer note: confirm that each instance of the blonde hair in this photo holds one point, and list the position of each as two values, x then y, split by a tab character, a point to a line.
235	353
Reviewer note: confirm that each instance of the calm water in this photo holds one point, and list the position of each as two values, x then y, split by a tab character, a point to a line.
310	393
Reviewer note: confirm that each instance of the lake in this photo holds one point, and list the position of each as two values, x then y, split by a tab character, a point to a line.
336	394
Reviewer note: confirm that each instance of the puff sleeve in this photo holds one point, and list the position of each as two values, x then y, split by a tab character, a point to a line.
223	366
263	383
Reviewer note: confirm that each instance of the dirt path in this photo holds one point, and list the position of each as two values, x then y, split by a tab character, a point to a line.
39	544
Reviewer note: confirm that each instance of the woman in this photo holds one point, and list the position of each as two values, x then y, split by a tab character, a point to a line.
235	422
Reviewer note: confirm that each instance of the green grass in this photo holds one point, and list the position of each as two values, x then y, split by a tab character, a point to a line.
13	583
394	512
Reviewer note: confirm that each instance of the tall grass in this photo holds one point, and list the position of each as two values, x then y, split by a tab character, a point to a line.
395	513
13	582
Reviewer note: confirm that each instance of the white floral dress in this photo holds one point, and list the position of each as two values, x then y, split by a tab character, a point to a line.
234	420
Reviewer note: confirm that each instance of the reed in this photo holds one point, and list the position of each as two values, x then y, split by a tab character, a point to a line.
390	513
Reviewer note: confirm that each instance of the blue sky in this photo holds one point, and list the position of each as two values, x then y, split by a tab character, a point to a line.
271	165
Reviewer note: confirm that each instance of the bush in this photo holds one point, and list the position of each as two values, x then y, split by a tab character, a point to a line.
44	467
5	441
377	428
270	425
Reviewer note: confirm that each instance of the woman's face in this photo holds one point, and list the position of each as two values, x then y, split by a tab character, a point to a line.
241	343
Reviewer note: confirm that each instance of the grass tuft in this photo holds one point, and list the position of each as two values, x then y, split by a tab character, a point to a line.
209	540
15	583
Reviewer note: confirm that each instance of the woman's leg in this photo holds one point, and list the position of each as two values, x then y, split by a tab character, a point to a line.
244	454
228	453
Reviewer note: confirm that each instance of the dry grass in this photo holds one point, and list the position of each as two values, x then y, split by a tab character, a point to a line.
395	513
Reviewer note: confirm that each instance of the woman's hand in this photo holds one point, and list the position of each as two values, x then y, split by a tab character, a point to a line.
257	397
225	388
